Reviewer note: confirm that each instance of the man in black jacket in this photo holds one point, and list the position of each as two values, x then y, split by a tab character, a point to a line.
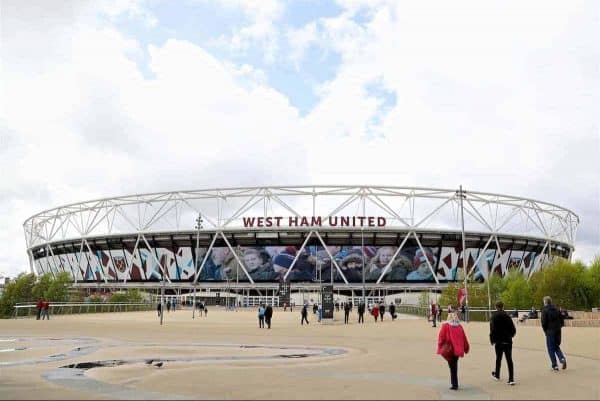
502	330
346	312
268	315
361	313
552	323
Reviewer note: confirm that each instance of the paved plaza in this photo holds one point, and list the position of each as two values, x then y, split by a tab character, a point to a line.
226	356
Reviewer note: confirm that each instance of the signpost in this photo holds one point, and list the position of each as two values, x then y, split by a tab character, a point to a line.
327	297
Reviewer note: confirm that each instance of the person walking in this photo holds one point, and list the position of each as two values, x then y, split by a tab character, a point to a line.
45	310
361	313
452	344
347	313
205	310
552	323
304	314
320	312
433	314
381	310
261	317
502	331
159	308
168	306
393	310
375	312
38	306
268	315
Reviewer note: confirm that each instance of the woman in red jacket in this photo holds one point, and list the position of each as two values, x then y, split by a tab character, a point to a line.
452	344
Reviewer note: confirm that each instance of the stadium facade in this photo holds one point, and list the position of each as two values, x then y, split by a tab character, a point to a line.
351	236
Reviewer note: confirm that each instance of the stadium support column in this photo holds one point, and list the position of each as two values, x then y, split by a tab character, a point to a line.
464	253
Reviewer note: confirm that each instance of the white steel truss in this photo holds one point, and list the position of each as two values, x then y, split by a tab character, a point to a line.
406	209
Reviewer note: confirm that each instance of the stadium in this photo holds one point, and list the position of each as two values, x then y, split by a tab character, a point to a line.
253	239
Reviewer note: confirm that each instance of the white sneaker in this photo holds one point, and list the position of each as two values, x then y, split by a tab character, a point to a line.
511	383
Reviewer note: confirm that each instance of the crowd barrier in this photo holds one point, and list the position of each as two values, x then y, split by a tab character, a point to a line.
68	308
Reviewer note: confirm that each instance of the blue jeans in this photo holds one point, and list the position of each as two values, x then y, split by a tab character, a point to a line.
553	345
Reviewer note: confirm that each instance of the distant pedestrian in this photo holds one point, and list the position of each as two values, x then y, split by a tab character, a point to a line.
285	307
46	310
201	308
439	314
452	344
315	309
268	315
381	311
346	313
304	314
168	306
320	312
38	306
552	323
205	310
393	311
361	313
261	317
375	312
159	308
433	314
502	331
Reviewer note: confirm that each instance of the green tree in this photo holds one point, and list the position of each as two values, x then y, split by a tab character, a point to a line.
119	297
58	290
16	291
95	299
592	278
134	296
518	293
41	286
564	281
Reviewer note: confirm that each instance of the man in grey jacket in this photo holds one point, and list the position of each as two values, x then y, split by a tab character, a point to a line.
552	323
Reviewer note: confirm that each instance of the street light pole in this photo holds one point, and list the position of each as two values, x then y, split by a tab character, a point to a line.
362	252
198	227
464	253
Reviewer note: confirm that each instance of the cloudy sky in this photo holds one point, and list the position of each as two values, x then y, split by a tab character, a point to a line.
112	97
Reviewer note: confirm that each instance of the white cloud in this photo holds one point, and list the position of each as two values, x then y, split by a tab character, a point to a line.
496	101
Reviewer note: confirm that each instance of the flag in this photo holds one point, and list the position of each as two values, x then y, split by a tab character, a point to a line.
462	293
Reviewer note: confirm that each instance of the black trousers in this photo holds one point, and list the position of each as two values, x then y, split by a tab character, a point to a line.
304	319
361	318
346	317
268	320
506	349
453	364
261	322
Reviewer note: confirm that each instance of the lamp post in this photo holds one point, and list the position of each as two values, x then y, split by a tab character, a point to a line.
199	222
461	195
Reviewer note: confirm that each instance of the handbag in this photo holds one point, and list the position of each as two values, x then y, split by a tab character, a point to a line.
447	351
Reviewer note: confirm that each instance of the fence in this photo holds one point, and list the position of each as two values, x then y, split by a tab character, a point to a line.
64	308
475	314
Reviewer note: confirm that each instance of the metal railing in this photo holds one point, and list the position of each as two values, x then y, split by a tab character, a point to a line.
68	308
477	314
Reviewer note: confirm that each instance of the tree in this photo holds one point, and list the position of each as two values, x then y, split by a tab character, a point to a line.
134	296
42	285
119	297
19	290
518	294
564	282
58	290
592	282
